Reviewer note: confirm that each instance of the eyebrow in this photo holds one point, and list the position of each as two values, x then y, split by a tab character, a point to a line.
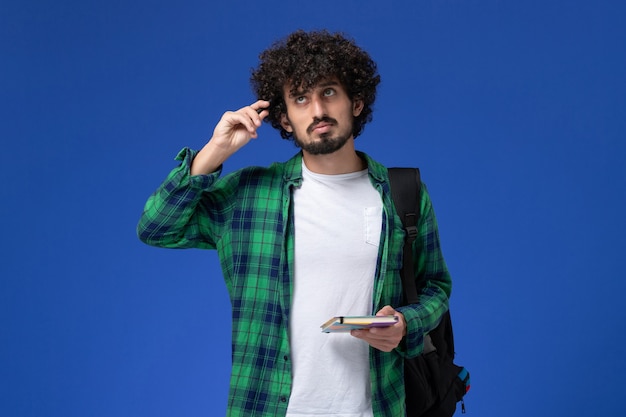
324	84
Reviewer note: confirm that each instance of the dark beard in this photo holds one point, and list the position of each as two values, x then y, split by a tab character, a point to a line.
326	144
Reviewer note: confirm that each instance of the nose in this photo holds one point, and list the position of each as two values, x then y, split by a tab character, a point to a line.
318	107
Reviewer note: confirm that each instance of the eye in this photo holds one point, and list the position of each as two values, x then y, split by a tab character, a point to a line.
300	99
329	92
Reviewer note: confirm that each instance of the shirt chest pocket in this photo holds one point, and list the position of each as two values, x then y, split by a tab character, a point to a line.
373	219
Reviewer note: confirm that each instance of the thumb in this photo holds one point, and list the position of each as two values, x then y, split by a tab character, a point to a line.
386	311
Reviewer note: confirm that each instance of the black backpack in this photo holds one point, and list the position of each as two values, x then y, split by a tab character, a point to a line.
433	383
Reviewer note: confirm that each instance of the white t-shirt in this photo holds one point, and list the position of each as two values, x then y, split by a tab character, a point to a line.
338	220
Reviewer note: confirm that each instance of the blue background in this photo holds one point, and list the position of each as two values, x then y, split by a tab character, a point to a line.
515	112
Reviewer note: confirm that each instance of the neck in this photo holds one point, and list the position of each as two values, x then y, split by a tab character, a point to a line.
342	161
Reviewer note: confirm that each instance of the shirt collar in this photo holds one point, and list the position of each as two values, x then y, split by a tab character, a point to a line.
292	171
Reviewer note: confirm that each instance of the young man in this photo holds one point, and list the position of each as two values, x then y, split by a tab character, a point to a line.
305	240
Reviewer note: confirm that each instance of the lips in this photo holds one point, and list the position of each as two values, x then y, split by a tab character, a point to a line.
321	126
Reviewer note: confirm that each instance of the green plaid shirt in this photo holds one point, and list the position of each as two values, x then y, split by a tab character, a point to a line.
248	217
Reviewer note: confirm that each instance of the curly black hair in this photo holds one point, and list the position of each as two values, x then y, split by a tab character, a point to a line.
302	60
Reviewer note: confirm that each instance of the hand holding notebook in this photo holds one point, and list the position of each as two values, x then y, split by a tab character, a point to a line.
348	323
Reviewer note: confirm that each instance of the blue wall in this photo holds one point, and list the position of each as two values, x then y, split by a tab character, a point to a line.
514	111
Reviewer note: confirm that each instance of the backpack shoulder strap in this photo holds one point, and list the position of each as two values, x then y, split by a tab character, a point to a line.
405	190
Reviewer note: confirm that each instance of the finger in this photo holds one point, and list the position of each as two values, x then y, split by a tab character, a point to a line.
260	104
383	344
254	116
392	335
357	333
371	336
386	311
243	118
264	113
262	109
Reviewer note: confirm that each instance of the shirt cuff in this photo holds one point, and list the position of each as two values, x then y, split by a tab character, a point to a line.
413	343
183	172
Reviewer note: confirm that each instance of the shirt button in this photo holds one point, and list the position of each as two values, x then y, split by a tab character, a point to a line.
283	399
286	357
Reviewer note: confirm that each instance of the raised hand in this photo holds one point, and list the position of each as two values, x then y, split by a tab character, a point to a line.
234	130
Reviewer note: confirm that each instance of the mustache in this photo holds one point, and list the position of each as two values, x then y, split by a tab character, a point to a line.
317	121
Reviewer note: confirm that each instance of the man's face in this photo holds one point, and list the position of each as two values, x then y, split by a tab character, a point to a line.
320	118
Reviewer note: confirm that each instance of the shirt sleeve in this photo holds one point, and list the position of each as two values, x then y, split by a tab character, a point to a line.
186	211
432	279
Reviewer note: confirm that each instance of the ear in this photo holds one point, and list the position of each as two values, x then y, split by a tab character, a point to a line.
284	122
357	107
